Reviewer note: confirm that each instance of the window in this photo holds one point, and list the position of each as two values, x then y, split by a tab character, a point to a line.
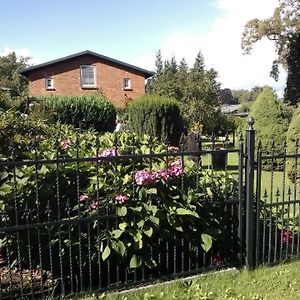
88	76
49	83
126	84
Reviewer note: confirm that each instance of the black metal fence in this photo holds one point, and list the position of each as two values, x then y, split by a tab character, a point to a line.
53	238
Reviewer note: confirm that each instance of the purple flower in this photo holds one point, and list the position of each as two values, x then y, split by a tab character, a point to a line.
286	235
83	198
121	198
162	174
144	177
216	260
175	168
173	149
109	152
93	204
65	144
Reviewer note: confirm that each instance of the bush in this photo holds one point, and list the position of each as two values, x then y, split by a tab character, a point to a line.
293	135
85	112
271	124
156	116
150	202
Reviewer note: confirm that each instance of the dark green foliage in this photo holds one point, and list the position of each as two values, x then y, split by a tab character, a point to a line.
271	123
156	116
292	90
10	77
293	140
196	90
85	112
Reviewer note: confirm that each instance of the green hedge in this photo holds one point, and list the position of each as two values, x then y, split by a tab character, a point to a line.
156	116
271	124
85	112
293	135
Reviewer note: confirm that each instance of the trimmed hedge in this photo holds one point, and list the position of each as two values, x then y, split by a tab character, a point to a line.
156	116
271	123
293	135
85	112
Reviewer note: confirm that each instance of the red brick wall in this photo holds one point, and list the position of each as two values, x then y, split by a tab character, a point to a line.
66	77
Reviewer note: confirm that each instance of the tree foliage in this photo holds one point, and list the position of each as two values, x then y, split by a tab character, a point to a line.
271	124
280	28
195	88
10	78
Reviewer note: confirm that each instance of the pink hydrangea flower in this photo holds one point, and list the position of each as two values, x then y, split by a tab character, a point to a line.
109	152
144	177
216	260
83	198
286	235
121	198
162	174
65	144
173	149
93	204
175	168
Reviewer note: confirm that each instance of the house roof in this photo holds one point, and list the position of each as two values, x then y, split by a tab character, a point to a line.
147	73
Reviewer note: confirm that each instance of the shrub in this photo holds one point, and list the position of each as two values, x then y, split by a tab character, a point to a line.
156	116
148	198
85	112
293	135
271	124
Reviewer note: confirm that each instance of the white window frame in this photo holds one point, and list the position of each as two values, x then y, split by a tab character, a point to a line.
51	81
128	85
92	85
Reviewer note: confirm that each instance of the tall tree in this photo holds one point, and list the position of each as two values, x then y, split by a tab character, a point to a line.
10	78
292	90
280	28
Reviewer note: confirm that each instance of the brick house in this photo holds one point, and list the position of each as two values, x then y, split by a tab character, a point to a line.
85	73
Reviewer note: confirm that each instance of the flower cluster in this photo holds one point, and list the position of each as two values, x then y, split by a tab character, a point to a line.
286	235
144	177
147	177
216	260
109	152
65	144
86	199
121	198
173	149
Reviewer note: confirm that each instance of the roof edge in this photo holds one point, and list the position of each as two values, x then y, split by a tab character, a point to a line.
147	73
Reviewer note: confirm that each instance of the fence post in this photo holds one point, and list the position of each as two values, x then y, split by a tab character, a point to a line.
250	152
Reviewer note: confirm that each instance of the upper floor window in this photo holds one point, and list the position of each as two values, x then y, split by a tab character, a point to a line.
49	83
126	84
88	76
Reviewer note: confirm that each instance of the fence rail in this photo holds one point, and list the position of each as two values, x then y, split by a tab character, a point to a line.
74	223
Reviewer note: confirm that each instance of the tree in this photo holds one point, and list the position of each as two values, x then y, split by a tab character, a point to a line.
292	90
10	78
280	28
271	124
195	88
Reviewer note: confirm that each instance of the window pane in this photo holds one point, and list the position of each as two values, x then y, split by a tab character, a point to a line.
88	75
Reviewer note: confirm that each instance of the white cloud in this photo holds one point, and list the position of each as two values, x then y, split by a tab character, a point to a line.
221	46
22	52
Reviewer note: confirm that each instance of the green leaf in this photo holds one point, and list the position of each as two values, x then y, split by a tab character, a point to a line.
151	263
152	191
206	241
154	220
116	233
121	211
119	247
106	253
140	224
209	192
138	209
148	231
123	225
183	211
135	262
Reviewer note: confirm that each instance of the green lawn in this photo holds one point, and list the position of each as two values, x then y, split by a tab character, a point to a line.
279	282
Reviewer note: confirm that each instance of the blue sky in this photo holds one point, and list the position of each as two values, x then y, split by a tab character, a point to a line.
134	30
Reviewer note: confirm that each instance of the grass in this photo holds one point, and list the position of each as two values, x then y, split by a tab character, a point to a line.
278	282
268	178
